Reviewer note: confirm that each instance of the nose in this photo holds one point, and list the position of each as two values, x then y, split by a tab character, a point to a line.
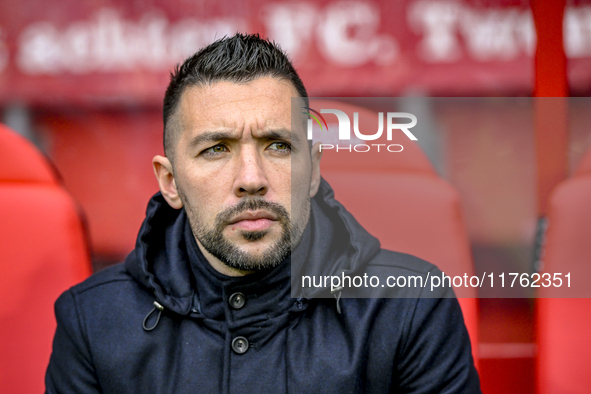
250	179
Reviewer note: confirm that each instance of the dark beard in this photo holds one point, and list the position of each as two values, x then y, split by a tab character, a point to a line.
215	243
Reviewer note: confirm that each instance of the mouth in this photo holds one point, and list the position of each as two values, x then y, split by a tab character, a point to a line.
253	221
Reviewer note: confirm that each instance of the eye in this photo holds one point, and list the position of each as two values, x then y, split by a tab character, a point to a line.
215	150
280	147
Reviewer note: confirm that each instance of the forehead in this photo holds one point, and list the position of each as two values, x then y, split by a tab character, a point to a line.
260	104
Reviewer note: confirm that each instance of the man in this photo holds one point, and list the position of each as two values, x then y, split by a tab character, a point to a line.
203	302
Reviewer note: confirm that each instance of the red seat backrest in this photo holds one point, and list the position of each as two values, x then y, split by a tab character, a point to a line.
564	343
400	199
43	251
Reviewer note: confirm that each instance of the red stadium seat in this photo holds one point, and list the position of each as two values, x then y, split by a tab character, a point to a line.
400	199
105	159
564	343
43	251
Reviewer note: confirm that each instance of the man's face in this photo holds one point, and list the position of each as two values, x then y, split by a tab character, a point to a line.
243	175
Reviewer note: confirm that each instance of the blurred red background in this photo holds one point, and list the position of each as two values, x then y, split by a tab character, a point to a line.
85	79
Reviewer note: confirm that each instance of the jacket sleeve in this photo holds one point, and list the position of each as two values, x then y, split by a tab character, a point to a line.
436	355
70	367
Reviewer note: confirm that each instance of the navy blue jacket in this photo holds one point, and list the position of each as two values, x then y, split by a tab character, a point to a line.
162	322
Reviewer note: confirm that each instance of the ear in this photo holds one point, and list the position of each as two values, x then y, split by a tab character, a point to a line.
166	182
316	154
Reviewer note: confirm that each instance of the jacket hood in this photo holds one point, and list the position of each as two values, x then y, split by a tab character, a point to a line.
333	243
338	244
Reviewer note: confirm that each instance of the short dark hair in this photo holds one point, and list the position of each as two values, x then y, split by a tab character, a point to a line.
240	59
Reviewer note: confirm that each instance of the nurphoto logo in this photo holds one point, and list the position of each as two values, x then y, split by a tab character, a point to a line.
344	124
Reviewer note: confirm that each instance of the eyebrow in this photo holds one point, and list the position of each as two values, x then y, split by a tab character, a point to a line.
215	136
210	136
279	134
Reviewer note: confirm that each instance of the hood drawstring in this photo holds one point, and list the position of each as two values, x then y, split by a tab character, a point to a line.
336	292
158	307
299	303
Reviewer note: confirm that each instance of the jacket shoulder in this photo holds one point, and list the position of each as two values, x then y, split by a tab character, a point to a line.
113	274
400	263
402	275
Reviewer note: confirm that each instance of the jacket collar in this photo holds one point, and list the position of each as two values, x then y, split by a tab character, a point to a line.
168	262
213	290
